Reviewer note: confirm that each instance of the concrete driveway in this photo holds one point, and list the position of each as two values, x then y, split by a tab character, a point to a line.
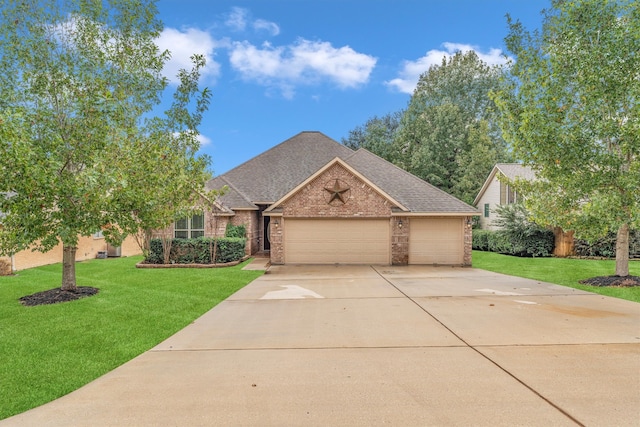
367	345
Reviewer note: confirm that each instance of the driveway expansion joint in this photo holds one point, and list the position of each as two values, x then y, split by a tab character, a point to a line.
486	357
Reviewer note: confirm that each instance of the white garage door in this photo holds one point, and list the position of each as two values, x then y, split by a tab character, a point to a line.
436	241
329	241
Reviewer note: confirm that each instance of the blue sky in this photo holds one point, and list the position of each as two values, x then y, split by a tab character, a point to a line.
279	67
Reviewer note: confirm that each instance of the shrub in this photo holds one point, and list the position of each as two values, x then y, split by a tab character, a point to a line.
239	231
606	246
198	251
518	236
480	239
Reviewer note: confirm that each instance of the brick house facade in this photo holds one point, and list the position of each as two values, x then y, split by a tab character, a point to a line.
313	200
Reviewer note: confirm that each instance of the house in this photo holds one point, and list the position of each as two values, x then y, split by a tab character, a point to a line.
312	200
88	248
497	192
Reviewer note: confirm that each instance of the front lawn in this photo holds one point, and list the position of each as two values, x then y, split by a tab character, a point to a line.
561	271
50	350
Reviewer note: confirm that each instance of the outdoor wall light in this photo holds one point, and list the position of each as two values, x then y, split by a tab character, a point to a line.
276	222
400	223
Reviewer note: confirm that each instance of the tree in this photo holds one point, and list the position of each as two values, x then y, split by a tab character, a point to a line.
570	107
474	162
449	108
376	135
78	149
430	142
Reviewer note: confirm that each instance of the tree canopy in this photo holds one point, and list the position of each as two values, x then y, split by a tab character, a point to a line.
448	135
570	108
80	150
376	135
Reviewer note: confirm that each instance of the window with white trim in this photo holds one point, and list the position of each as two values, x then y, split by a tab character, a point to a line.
189	228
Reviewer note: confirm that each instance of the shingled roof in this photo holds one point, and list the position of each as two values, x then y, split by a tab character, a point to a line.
272	174
414	193
269	176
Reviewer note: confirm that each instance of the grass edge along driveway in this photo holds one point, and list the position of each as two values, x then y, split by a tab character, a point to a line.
51	350
560	271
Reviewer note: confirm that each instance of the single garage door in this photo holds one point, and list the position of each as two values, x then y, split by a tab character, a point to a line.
436	241
329	241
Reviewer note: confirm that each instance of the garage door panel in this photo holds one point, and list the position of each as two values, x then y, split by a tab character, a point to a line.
436	241
345	241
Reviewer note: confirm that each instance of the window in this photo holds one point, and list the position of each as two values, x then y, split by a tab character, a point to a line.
98	235
189	228
486	210
507	194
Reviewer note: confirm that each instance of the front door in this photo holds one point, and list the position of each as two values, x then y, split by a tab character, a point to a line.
266	220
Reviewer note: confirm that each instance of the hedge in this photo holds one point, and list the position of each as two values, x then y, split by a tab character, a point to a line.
537	244
197	251
606	246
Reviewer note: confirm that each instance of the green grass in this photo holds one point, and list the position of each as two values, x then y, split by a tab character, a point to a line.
48	351
561	271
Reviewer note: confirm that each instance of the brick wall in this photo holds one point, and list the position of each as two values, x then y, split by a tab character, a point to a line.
251	222
277	248
467	223
312	201
361	200
400	241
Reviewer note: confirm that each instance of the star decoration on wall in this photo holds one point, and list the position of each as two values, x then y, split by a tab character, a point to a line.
337	192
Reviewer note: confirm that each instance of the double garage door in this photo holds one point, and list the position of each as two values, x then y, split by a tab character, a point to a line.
343	241
368	241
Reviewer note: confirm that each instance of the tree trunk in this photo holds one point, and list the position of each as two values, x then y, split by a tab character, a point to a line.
69	268
622	251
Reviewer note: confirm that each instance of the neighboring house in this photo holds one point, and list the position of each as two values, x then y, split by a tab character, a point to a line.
496	192
88	248
312	200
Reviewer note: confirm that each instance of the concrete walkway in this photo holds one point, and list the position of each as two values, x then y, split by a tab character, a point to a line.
368	346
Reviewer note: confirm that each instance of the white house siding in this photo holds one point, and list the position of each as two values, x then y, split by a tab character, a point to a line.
491	196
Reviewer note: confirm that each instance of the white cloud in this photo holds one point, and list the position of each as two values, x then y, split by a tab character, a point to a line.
304	62
237	19
411	70
270	27
182	45
240	18
203	139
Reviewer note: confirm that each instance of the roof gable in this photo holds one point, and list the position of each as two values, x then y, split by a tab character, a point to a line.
272	174
332	163
511	171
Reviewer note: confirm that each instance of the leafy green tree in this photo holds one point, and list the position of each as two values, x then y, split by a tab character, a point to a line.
376	135
78	151
442	124
430	142
474	162
570	107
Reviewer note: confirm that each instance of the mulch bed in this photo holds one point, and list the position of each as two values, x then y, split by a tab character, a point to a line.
615	281
54	296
